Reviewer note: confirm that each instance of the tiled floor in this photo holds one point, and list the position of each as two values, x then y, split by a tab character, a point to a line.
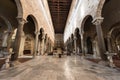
65	68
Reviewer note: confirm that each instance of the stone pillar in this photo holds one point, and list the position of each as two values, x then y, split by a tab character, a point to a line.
83	44
66	46
18	39
6	50
101	43
21	49
38	47
71	46
5	37
46	46
36	43
32	47
109	43
49	47
75	44
43	43
96	50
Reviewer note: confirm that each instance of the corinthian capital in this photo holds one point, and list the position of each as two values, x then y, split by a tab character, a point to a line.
21	20
97	20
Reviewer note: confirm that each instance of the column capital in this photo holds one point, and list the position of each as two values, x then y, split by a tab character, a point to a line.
97	20
75	38
108	35
37	32
81	35
21	20
43	36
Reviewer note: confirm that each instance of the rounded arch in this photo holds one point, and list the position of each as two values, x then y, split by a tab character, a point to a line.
34	21
114	27
7	23
99	8
117	38
77	31
83	23
19	8
10	10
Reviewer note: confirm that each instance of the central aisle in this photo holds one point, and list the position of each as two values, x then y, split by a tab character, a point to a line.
65	68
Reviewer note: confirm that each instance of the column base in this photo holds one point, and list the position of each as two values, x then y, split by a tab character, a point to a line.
104	63
15	63
5	66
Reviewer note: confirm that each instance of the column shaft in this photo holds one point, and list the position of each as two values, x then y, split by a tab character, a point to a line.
101	43
18	37
75	45
43	43
36	44
109	43
83	44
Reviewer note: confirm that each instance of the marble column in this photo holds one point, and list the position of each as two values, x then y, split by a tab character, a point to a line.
109	43
71	46
21	49
36	43
96	50
101	43
38	47
49	47
83	44
18	38
6	50
46	46
32	47
5	37
43	43
75	44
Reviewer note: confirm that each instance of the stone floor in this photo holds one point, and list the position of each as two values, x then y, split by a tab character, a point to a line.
65	68
21	59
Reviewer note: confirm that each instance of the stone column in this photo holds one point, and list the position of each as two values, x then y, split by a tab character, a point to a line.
6	50
65	46
38	47
83	44
75	45
101	43
109	43
21	49
18	39
32	47
46	46
5	37
36	43
49	47
71	46
43	43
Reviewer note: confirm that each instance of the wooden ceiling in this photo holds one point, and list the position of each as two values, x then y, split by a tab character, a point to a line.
59	10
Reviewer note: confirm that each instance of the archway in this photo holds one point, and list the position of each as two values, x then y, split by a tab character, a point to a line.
5	35
88	31
89	45
29	36
8	22
77	39
28	45
111	23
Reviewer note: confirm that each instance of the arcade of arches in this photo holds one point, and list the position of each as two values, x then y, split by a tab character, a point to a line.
85	29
